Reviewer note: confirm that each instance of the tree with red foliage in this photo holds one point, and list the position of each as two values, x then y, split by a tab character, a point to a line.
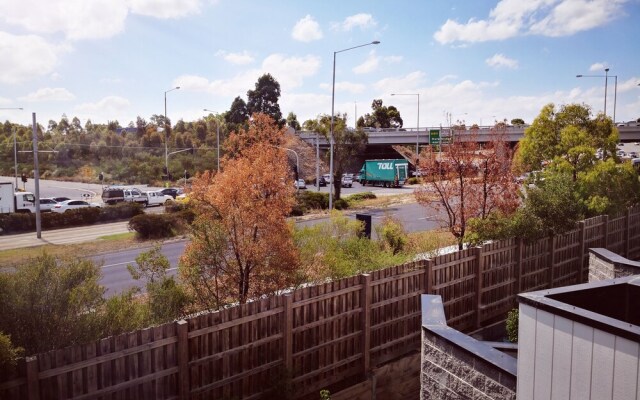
464	181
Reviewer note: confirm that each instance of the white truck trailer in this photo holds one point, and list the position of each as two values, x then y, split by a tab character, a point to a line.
12	201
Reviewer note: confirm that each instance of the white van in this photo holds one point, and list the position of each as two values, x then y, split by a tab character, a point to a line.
156	198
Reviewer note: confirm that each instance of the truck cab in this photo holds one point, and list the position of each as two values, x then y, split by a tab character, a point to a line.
25	202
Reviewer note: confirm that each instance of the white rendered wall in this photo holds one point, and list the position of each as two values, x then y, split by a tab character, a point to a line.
562	359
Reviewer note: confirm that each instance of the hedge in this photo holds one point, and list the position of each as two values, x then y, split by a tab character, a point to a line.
155	226
26	222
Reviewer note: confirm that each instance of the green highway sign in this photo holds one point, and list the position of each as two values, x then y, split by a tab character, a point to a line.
434	136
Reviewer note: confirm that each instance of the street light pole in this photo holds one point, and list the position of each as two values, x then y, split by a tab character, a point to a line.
417	123
615	96
166	136
333	98
217	139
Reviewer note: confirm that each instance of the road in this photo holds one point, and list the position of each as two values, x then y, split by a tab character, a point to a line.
116	277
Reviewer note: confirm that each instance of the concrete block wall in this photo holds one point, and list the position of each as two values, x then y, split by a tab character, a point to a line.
604	264
456	366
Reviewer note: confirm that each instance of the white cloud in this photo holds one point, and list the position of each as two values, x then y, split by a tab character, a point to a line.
76	19
369	65
106	109
501	61
598	67
345	87
630	84
236	58
48	94
305	105
290	71
5	102
447	78
230	87
539	17
409	83
93	19
165	9
393	59
18	55
362	21
572	16
306	30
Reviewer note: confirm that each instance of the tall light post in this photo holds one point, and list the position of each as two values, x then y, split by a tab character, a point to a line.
15	147
333	98
606	79
418	121
166	136
217	138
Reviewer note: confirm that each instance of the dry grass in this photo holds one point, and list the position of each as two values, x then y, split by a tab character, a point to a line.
10	258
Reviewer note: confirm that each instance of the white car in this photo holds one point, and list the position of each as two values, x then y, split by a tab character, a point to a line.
156	198
72	205
300	184
47	204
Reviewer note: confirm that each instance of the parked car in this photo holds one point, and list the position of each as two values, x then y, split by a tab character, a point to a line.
47	204
72	205
156	198
173	192
347	181
136	196
60	199
300	184
322	182
327	178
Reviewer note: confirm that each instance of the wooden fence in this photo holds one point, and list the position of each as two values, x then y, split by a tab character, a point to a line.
325	336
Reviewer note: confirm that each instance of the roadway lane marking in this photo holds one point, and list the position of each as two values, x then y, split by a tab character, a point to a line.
122	263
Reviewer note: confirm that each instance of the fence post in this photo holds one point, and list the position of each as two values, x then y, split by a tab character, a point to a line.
605	230
287	332
551	259
182	328
365	303
584	266
627	233
520	256
479	284
428	276
31	372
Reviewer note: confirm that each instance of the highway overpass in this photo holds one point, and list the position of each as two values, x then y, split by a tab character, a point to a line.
629	132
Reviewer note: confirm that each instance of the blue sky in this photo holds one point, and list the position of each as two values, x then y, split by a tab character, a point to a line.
475	61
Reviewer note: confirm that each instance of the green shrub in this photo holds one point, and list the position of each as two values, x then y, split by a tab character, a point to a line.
120	211
124	312
49	303
181	211
297	210
512	325
341	204
392	235
310	200
17	222
362	196
8	356
154	226
413	180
